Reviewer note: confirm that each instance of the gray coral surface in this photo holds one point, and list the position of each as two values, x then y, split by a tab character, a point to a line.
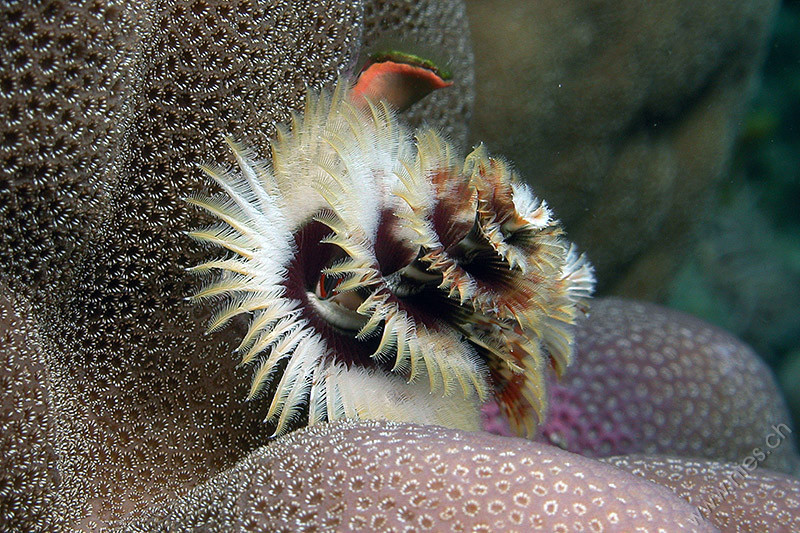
113	397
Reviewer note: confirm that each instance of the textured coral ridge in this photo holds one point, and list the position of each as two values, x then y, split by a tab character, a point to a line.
386	277
383	476
732	497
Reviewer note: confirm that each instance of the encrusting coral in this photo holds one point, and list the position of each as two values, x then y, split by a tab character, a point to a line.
111	106
114	402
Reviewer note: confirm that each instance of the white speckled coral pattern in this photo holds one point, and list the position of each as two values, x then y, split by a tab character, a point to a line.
732	497
381	476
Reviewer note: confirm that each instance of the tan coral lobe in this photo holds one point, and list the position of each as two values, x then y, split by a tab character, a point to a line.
386	277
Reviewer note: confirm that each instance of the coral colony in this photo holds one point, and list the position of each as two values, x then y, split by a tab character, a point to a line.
118	415
386	277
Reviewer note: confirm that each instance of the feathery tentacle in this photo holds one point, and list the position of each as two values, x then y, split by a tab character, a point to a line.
386	277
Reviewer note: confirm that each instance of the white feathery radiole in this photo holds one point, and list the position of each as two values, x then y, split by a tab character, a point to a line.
385	277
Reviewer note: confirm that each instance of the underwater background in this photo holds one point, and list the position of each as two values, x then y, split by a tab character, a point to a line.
743	273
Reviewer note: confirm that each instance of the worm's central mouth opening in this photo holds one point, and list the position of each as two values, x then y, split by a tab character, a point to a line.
339	309
310	281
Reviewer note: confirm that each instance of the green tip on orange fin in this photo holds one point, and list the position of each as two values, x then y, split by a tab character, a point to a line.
398	78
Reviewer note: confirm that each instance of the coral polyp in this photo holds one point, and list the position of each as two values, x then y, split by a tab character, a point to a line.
387	277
